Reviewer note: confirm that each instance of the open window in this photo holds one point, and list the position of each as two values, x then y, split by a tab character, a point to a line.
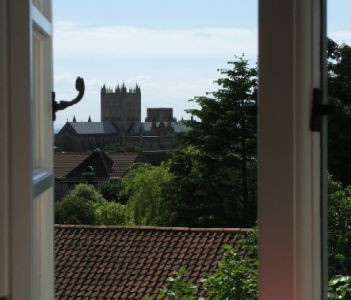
289	152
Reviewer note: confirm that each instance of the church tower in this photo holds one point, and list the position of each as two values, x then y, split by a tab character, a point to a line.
121	106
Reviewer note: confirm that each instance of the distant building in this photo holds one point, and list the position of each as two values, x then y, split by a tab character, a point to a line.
95	167
121	125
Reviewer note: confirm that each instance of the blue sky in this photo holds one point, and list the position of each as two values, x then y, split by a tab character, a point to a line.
172	49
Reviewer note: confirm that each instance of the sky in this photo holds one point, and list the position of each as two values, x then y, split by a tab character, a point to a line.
172	49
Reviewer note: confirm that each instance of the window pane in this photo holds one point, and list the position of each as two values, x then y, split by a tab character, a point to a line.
41	100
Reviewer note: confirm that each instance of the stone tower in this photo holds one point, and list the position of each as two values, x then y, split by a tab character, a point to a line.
121	106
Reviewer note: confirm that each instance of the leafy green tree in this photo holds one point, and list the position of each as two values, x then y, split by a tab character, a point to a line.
339	93
142	186
339	227
339	288
177	288
236	276
112	213
110	190
215	172
78	206
86	192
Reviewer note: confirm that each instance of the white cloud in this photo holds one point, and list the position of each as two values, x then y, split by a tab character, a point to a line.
73	40
172	66
341	36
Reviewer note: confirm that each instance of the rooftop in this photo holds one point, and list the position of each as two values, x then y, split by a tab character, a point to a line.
112	262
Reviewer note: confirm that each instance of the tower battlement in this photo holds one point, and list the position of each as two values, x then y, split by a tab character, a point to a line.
121	105
120	89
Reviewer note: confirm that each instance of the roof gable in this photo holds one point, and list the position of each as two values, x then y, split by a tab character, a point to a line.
109	262
71	165
97	162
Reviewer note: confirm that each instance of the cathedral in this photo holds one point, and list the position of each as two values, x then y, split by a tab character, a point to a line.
121	126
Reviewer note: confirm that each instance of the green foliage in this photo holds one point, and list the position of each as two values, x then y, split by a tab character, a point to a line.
112	213
339	93
86	192
110	190
177	288
236	276
339	227
85	205
339	288
74	211
78	206
214	181
142	186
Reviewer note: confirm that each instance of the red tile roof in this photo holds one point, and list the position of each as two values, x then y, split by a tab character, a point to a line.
65	163
122	162
111	262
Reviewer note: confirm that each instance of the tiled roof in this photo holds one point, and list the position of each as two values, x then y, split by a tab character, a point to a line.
66	163
104	127
122	163
109	262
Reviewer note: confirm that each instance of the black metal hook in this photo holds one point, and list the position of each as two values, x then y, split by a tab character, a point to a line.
320	110
56	106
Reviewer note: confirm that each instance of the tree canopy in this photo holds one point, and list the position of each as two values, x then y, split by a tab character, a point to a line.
214	181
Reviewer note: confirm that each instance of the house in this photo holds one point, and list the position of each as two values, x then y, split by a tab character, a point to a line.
83	167
110	262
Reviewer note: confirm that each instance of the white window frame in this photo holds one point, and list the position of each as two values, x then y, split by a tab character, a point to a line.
26	158
289	168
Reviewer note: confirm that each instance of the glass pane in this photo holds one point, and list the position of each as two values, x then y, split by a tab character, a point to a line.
44	6
41	100
43	245
339	147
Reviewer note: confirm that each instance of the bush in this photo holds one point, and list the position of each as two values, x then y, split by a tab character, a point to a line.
74	211
112	213
110	190
340	288
86	192
236	276
177	288
339	228
85	205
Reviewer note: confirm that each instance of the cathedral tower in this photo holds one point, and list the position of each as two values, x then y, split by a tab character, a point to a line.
121	106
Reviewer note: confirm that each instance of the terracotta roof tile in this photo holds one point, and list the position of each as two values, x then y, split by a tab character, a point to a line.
111	262
66	163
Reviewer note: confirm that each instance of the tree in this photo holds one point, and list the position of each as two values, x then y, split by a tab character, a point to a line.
112	213
339	93
85	205
215	172
236	276
142	186
110	190
339	228
77	207
177	288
